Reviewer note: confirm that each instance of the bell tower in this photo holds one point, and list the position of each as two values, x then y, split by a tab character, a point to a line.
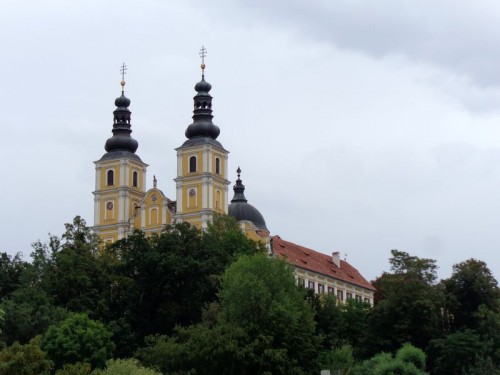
201	183
120	182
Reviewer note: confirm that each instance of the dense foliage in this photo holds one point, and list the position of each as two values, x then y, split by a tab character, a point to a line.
212	302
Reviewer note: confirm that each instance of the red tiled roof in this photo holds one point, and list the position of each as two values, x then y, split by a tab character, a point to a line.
311	260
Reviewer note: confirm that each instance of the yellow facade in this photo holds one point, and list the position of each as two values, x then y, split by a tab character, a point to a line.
202	187
122	202
254	233
118	189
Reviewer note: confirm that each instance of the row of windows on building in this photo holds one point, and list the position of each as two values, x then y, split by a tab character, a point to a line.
110	178
110	175
192	165
331	290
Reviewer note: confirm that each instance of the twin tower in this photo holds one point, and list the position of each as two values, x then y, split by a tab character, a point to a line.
122	203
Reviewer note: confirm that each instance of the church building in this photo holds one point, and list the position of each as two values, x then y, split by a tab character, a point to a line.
122	202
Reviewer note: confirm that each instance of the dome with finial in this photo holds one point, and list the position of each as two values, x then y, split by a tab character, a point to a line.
121	143
241	210
203	86
202	126
122	101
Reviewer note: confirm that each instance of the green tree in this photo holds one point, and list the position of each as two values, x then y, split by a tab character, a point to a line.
78	339
128	366
167	279
340	323
367	367
28	313
354	324
263	326
484	366
328	319
2	313
196	349
489	330
11	270
407	306
409	360
259	295
410	354
458	352
29	308
423	269
76	279
470	286
26	359
75	369
339	361
397	367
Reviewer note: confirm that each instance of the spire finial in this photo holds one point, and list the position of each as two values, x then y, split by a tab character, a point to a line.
155	181
239	189
123	71
203	54
121	139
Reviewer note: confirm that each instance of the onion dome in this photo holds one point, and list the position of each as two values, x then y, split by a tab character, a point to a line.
202	125
121	139
241	210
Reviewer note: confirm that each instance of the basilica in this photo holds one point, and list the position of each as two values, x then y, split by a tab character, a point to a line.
122	203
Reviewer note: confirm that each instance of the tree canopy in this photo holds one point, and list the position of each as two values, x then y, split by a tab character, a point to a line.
186	301
78	339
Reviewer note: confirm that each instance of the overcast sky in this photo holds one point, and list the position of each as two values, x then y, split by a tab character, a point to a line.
359	126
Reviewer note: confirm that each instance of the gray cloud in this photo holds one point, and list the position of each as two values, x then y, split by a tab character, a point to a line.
458	37
347	119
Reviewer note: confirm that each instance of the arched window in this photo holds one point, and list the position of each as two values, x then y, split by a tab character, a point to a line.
192	164
134	179
110	178
217	165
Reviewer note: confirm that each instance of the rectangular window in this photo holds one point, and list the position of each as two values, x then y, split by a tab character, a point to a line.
217	165
321	288
192	164
340	295
110	177
330	290
348	295
301	281
367	300
310	285
358	298
135	179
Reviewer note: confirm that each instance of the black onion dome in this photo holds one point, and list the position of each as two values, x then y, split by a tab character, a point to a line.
121	139
203	86
240	209
202	125
122	101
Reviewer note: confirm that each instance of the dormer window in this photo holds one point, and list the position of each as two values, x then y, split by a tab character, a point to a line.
110	178
192	164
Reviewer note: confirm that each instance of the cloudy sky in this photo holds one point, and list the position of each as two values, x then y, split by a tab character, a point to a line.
359	126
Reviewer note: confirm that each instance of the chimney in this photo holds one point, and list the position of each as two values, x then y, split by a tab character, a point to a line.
336	258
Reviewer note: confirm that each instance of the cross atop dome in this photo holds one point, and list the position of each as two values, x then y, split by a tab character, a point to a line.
203	54
123	71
